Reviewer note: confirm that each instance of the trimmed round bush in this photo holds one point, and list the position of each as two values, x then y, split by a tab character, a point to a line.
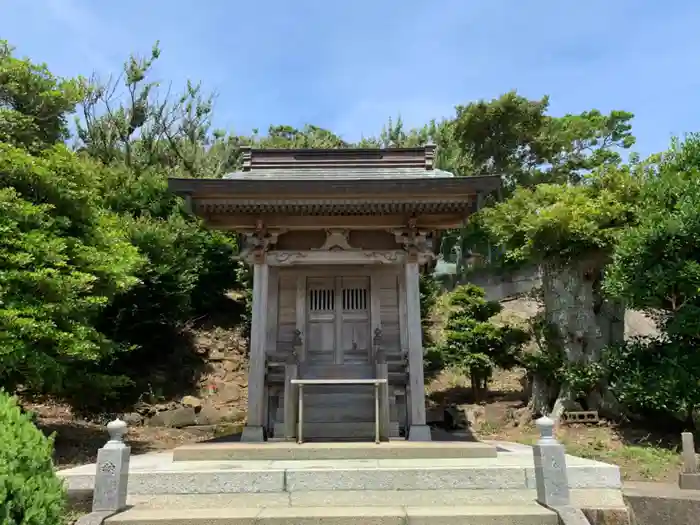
30	491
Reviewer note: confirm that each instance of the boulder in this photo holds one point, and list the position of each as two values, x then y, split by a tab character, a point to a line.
209	415
176	418
228	393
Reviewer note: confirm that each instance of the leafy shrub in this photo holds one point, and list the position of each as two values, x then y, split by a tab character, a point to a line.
656	377
30	491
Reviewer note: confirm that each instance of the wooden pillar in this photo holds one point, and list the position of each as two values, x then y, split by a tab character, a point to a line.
253	431
418	431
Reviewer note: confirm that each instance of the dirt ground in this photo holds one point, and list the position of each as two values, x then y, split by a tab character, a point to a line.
77	441
641	454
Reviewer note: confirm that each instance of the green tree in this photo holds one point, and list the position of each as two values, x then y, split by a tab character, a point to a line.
656	268
62	259
34	104
474	343
570	231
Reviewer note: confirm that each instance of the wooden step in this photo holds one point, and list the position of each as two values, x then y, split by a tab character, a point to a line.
321	414
339	430
337	371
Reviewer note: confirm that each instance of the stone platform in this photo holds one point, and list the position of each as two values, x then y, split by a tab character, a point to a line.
281	483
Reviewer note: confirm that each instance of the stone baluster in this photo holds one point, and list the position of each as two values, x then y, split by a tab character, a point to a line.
551	477
112	476
291	391
382	372
689	478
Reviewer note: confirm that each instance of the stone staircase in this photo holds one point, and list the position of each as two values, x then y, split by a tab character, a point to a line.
400	482
338	411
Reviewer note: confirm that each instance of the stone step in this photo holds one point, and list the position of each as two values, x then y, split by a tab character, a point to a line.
339	430
286	451
608	498
390	515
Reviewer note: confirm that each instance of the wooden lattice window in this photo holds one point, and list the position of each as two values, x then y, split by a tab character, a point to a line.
322	300
354	299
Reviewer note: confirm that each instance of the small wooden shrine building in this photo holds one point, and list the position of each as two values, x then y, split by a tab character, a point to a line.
336	239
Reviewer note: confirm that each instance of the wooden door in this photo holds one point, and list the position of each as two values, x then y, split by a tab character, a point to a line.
321	320
354	317
338	320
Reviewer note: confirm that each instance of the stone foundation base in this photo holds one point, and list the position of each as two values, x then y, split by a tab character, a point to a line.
419	433
253	434
689	481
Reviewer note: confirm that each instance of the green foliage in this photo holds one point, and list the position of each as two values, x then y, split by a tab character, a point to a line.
561	221
656	377
30	491
62	259
100	267
514	137
473	342
33	103
656	265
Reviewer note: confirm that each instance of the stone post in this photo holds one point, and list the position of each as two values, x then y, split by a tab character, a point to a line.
112	474
689	478
550	467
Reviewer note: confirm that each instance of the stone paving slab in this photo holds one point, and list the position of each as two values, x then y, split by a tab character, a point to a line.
531	514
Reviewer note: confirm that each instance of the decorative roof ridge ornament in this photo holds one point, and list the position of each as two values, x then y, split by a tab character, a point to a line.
247	157
430	149
266	159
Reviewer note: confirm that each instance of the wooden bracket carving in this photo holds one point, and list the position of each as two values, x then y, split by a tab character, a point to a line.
415	242
258	242
336	240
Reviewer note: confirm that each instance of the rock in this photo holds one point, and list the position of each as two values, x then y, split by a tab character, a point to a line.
435	416
132	418
231	366
209	415
176	418
228	393
191	402
216	355
468	416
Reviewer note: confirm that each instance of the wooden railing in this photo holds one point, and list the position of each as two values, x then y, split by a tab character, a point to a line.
381	373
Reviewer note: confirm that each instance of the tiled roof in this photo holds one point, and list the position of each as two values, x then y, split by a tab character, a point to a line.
338	173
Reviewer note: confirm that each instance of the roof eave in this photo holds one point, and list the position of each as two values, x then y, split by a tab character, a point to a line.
247	188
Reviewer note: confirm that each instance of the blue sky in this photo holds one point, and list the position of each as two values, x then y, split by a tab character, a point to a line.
348	66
